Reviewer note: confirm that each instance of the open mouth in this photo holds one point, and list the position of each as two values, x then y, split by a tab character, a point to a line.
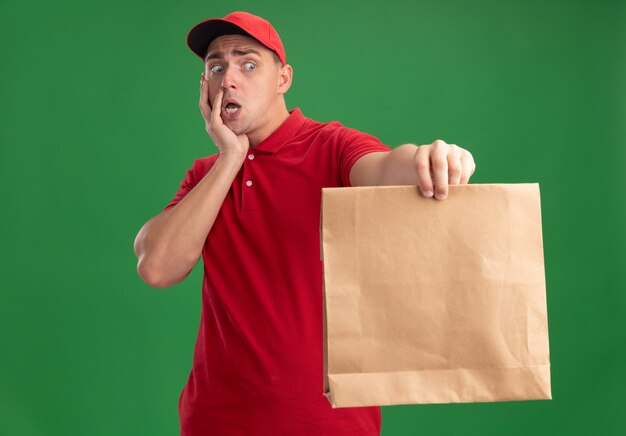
231	107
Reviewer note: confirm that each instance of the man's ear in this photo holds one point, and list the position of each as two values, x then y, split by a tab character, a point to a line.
285	75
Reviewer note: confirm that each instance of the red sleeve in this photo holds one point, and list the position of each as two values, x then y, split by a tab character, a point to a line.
194	174
354	145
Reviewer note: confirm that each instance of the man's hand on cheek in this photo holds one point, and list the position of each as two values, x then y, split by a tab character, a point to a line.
439	165
226	141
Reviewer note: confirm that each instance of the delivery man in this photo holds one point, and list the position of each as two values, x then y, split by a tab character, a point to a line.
252	211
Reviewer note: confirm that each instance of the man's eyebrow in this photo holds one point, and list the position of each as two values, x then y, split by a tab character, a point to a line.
216	54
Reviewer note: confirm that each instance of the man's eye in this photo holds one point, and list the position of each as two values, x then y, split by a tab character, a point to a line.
249	66
217	69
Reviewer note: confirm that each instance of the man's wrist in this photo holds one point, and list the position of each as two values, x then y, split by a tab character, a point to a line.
231	159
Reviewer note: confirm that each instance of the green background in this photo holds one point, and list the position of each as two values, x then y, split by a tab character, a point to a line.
99	121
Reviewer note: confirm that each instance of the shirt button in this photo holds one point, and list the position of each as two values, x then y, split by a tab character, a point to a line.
251	156
249	183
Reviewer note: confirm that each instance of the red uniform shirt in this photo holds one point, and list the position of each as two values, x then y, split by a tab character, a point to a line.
258	361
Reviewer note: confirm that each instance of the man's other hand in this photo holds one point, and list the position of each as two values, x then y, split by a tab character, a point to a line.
439	165
432	167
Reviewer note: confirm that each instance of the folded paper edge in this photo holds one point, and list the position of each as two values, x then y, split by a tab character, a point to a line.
440	386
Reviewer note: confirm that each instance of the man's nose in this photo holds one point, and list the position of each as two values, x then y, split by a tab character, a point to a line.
229	78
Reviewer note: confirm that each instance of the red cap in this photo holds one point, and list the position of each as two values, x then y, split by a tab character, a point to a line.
238	23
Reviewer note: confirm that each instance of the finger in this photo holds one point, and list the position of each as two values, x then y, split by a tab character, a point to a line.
469	166
204	98
422	165
455	166
217	107
439	164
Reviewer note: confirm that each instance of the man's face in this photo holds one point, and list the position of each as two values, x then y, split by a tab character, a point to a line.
247	72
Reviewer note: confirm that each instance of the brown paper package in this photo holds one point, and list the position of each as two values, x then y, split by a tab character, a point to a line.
429	301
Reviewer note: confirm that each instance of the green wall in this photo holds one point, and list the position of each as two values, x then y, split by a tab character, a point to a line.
99	121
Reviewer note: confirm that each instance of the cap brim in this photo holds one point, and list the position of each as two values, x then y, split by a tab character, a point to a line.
201	35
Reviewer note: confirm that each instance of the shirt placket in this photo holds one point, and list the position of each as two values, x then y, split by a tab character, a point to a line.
248	185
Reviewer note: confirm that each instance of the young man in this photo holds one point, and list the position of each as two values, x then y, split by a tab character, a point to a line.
252	211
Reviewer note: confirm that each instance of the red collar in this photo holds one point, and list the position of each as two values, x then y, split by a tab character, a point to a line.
283	134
